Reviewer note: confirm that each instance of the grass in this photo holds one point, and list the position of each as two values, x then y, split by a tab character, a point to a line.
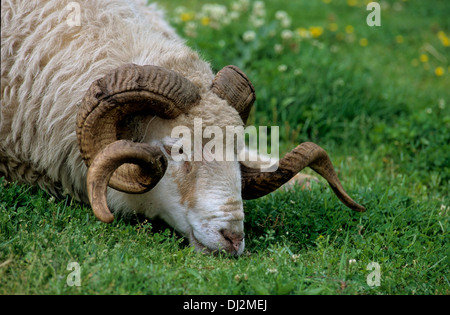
378	106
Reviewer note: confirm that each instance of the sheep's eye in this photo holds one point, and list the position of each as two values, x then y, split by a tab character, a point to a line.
180	151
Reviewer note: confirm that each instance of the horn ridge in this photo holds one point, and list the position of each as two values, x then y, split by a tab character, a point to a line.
150	158
232	85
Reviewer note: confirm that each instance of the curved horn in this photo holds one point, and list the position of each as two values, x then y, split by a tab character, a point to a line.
110	158
256	184
232	85
124	92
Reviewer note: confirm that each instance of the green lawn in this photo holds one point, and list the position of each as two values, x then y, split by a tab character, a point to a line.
376	98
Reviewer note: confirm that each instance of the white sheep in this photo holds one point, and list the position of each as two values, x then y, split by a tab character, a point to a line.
94	103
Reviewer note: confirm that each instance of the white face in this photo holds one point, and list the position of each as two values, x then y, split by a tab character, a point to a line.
202	200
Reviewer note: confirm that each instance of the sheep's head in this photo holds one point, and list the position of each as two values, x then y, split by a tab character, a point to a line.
207	202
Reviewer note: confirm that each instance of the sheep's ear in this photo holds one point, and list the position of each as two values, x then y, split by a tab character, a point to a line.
232	85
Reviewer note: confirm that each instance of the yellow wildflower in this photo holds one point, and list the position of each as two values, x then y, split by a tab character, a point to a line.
303	32
399	39
333	27
326	1
205	21
187	16
349	29
363	42
444	39
316	31
352	3
439	71
423	58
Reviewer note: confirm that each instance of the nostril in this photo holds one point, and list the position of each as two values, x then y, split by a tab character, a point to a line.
233	238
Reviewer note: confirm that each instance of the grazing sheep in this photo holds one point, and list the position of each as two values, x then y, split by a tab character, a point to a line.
94	104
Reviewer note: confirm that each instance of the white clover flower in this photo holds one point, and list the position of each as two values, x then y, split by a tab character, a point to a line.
318	44
287	34
351	261
236	7
282	68
234	15
214	11
281	15
334	48
259	6
191	29
284	18
179	10
240	5
249	36
226	20
257	22
259	9
286	22
278	48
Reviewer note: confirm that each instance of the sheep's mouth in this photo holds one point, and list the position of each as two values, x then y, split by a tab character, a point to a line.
205	249
197	245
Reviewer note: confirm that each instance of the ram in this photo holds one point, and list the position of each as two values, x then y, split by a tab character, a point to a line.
92	102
